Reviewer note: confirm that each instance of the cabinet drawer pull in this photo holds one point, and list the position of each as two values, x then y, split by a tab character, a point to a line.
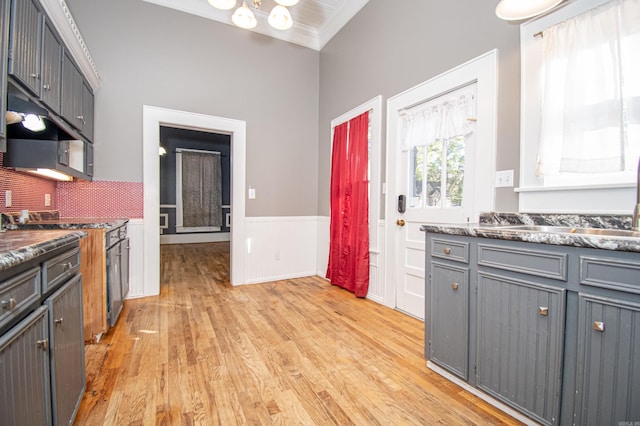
46	87
543	310
67	266
43	344
59	321
447	250
598	326
9	304
80	117
454	286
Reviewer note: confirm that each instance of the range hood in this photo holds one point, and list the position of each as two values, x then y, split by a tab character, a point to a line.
47	150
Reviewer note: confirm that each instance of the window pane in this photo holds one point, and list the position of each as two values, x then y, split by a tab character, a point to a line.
455	171
434	175
416	176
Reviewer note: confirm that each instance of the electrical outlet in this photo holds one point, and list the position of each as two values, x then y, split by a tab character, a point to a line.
504	178
252	193
47	200
7	198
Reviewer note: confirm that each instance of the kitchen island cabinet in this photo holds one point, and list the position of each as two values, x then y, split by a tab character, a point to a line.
552	329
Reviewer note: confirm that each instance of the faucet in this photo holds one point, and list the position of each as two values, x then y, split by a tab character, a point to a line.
635	225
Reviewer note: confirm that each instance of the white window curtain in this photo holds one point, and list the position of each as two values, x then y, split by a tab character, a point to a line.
590	117
442	118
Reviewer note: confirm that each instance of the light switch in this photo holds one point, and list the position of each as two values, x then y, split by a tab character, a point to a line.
504	178
252	193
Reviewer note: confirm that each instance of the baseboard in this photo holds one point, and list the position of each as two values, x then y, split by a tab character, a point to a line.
195	238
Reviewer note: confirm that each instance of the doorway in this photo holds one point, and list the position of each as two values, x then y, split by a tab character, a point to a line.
409	205
153	119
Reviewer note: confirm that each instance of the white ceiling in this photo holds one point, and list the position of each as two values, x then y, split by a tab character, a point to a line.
315	21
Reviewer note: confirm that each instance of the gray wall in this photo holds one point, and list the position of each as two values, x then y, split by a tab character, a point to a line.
151	55
391	46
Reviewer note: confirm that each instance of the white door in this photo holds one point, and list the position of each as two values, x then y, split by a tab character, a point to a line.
432	182
448	181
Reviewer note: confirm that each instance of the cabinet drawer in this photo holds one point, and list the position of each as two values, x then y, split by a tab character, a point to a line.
614	274
448	249
17	294
531	262
58	269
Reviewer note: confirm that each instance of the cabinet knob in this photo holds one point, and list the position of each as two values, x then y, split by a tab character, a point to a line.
9	304
46	87
598	326
67	266
543	310
447	250
80	117
35	75
454	286
59	321
43	344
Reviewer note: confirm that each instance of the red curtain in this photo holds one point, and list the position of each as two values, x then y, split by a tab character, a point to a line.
349	228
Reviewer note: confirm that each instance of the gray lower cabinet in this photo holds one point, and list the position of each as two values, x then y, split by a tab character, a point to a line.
67	350
520	344
608	381
24	372
449	343
551	331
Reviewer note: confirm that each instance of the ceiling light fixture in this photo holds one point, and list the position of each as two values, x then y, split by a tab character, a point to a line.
515	10
223	4
243	17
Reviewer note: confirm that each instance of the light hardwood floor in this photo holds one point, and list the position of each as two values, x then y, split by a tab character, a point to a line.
293	352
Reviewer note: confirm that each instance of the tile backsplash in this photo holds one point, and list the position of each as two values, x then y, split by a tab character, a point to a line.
76	199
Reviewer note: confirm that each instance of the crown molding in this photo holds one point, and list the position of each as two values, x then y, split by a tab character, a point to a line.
60	16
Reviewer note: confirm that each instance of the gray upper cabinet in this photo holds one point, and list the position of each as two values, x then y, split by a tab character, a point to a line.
25	44
77	98
4	39
51	69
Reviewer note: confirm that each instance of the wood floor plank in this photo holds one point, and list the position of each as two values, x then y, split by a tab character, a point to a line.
289	352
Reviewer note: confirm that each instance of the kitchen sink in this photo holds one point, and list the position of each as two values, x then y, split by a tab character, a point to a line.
602	232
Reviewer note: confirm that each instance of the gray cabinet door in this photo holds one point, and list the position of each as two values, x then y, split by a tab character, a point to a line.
25	44
88	159
51	69
87	111
24	372
608	381
520	344
449	345
67	350
4	40
71	102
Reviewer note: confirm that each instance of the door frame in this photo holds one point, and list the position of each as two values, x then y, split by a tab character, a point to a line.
482	69
153	118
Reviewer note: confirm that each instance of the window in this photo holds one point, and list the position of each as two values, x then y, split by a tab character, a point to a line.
437	135
580	113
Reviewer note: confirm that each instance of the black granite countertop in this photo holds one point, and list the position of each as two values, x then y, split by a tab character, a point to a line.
70	223
21	246
492	225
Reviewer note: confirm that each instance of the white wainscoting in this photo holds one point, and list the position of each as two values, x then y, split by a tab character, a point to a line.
205	237
376	258
135	230
280	248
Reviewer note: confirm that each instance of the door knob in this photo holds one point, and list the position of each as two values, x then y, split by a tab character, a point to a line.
400	222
